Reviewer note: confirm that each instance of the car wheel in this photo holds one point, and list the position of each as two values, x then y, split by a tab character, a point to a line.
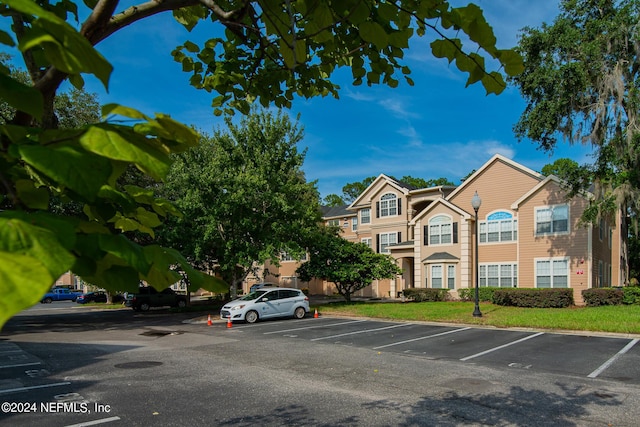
299	313
182	304
48	300
144	306
251	316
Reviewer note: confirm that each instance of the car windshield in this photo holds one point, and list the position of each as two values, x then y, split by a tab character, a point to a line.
253	295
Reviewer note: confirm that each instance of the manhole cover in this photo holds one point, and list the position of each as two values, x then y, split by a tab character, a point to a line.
138	365
160	333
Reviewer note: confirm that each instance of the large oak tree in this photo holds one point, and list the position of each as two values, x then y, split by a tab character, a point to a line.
581	83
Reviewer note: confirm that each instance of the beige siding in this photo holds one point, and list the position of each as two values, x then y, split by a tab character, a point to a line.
574	246
498	186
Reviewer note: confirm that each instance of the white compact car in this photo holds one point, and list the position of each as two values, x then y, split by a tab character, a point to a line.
266	303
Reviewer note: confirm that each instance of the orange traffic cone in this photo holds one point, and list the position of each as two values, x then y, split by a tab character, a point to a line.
209	322
315	315
229	323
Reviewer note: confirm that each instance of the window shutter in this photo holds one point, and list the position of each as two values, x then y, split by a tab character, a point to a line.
377	209
399	236
399	206
377	243
426	235
455	232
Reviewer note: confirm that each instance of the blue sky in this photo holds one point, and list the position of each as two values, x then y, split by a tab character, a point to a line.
437	128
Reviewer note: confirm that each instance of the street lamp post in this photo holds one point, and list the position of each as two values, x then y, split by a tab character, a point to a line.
475	203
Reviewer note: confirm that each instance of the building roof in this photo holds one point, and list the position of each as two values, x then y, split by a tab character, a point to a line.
335	211
441	256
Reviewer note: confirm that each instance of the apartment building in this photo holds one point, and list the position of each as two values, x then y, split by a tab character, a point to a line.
529	235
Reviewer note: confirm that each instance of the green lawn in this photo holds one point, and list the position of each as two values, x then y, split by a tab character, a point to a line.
621	319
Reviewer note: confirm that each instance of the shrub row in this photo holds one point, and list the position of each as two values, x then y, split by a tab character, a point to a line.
530	297
426	294
611	296
484	294
518	297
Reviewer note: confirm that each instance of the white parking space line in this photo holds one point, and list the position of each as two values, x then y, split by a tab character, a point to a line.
315	326
95	423
362	332
464	359
17	365
421	338
608	363
33	387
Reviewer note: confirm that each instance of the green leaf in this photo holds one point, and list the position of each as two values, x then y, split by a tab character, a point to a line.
123	248
493	83
476	26
121	110
6	39
20	237
512	62
444	49
115	277
373	32
191	47
122	144
147	218
21	97
160	275
66	49
32	197
358	14
82	172
23	281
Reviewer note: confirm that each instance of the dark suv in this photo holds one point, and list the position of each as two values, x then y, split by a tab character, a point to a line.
148	297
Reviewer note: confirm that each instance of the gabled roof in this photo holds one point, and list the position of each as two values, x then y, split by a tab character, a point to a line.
441	256
445	202
398	185
491	161
335	211
551	178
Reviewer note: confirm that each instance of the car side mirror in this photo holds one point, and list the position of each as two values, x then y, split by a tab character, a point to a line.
265	299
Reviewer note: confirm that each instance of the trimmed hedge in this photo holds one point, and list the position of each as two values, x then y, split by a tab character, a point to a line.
631	295
426	294
602	296
484	294
611	296
532	297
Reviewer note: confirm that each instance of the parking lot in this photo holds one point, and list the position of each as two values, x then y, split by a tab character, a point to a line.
590	356
71	366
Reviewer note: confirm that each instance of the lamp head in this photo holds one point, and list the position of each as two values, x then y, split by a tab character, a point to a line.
476	202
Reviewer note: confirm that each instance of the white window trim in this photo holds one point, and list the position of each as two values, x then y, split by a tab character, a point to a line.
354	223
362	221
535	271
442	276
366	240
395	208
450	234
451	277
486	265
395	238
485	224
551	233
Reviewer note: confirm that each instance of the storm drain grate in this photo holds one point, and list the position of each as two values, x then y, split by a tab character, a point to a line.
138	365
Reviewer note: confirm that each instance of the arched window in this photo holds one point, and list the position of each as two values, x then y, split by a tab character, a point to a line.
499	226
389	205
440	230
